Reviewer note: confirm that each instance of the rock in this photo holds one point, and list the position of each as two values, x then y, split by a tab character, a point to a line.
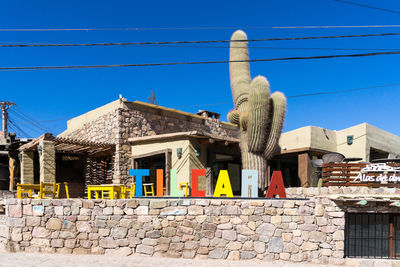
57	243
107	242
40	232
229	235
234	245
209	226
38	210
176	211
275	245
144	249
195	210
80	251
119	232
153	234
32	221
149	241
54	224
142	210
16	222
230	210
259	247
266	229
97	250
316	236
188	254
234	255
244	230
309	246
247	255
15	211
83	226
158	204
217	253
290	248
338	235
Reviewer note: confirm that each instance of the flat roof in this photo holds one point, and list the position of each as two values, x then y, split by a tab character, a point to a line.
195	134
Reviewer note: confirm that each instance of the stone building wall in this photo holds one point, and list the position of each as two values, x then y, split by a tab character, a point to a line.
296	230
136	120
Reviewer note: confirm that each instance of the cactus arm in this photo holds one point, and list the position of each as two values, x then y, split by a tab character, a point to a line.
239	71
277	113
258	114
234	116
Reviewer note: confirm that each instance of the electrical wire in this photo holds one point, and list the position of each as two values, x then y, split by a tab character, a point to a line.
202	28
367	6
267	47
305	95
27	119
14	126
203	42
190	63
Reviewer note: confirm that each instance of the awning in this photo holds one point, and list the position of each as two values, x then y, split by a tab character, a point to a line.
68	145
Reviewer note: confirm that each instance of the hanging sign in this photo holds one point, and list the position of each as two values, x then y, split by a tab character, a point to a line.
378	173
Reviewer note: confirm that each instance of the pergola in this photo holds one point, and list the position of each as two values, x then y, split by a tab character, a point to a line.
47	146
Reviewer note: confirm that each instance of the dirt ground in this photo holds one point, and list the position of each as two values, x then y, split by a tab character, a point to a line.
59	260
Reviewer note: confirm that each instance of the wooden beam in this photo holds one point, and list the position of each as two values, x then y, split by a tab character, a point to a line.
304	169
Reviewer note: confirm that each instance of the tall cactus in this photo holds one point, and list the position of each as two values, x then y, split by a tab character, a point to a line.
259	115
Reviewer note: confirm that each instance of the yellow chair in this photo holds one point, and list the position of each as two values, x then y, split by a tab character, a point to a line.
186	185
52	191
146	191
130	190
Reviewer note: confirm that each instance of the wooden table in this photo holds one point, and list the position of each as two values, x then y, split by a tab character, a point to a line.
110	188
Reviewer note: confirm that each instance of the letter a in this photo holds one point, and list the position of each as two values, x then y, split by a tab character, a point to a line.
223	186
249	183
276	187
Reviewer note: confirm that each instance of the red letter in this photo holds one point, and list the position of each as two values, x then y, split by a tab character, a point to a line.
160	183
195	183
276	187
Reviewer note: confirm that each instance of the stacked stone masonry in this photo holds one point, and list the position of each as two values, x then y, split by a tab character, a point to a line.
301	230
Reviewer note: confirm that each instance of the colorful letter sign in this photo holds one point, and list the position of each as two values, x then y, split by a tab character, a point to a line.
174	190
195	183
276	187
223	186
249	183
160	182
139	173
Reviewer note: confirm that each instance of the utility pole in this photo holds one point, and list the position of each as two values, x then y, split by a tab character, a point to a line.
5	105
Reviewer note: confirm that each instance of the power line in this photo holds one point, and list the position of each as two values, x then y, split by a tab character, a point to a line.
200	28
190	63
367	6
201	42
304	95
270	47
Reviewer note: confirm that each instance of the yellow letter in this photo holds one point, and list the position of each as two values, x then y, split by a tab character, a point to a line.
223	186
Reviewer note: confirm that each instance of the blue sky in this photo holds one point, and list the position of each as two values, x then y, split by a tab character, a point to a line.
56	94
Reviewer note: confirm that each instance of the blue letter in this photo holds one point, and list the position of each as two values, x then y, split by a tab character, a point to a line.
139	173
249	181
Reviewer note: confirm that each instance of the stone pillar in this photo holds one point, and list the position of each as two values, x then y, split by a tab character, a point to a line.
26	165
47	161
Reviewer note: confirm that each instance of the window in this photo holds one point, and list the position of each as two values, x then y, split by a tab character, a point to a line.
372	235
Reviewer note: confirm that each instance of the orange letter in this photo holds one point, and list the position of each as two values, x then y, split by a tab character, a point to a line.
160	182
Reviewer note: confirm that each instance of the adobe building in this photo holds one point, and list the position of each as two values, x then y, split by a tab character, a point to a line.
300	146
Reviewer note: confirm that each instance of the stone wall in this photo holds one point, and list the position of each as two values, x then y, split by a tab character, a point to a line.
297	230
138	119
